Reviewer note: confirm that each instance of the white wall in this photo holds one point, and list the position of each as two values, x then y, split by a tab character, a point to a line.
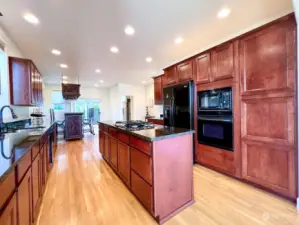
10	50
155	110
101	94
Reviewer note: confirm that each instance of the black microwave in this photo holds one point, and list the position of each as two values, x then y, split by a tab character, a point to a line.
217	99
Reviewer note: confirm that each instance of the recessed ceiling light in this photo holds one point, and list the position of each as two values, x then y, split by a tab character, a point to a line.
96	85
149	59
129	30
114	49
98	71
65	82
223	13
101	81
144	82
178	40
56	52
30	18
63	66
64	77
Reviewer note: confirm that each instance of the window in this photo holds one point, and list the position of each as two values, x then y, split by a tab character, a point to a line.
58	101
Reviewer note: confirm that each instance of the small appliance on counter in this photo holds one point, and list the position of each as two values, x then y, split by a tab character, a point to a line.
37	117
215	118
134	125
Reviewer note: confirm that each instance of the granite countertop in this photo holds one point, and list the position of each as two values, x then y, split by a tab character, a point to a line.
13	146
154	134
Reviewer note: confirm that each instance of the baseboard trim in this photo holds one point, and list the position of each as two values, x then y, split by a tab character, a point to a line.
298	204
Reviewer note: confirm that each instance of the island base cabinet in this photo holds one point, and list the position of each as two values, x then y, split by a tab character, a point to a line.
124	162
9	215
142	190
24	196
36	185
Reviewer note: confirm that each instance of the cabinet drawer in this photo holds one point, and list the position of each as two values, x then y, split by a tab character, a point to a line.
23	166
141	164
141	145
35	150
112	132
123	137
142	190
7	187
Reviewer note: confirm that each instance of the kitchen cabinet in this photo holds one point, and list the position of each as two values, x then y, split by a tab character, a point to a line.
156	121
142	165
158	90
73	126
106	148
24	197
124	162
268	107
202	68
185	71
113	152
170	76
9	214
25	83
223	62
36	185
102	142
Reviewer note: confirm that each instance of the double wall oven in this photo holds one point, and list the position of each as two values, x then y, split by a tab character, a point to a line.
215	118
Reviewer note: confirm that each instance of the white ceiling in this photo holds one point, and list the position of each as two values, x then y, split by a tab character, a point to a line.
84	31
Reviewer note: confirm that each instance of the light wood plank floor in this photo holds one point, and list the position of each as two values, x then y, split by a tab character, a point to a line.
83	190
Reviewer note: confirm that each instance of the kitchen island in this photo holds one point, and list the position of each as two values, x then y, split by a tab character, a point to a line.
155	164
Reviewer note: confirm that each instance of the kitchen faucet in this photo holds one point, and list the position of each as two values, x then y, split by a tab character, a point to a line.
14	116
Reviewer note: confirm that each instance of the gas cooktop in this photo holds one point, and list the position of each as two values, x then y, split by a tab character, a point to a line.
134	125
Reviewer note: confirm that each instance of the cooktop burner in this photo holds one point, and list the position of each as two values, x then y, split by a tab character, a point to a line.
134	125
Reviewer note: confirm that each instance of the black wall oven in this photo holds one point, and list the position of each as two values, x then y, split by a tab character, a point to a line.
215	120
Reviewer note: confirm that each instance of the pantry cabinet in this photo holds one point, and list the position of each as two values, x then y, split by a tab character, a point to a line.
25	83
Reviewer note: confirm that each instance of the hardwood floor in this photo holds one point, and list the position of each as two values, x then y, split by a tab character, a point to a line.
83	190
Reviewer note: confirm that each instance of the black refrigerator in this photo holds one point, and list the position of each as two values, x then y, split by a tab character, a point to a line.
178	105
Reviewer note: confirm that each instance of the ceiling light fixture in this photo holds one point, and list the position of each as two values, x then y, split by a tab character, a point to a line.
144	82
63	66
223	13
114	49
178	40
101	81
64	77
96	85
56	52
30	18
149	59
65	82
98	71
129	30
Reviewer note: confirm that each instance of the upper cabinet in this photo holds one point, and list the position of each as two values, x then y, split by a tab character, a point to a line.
184	71
158	90
25	83
202	68
170	76
223	62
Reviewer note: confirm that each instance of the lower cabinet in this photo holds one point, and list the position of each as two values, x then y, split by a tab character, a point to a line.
36	185
124	162
101	142
113	152
24	196
106	147
9	215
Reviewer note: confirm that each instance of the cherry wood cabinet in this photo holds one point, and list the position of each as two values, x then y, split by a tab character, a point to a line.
25	83
24	196
9	215
124	162
106	147
158	90
36	185
73	126
156	121
202	68
102	142
185	71
170	76
113	152
268	107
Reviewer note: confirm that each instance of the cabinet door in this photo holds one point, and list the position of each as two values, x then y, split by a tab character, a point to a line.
113	152
36	185
73	127
202	67
170	76
9	215
106	148
184	71
20	83
158	90
33	83
25	200
124	162
102	142
223	62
